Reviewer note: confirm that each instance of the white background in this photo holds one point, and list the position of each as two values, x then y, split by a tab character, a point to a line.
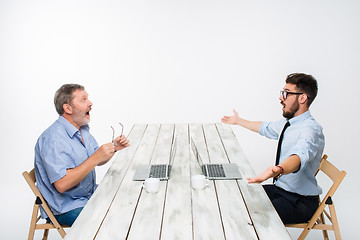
176	62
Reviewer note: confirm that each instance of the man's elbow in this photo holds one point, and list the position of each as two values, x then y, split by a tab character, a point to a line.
60	186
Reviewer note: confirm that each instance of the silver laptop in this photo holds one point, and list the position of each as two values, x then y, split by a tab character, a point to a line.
161	171
225	171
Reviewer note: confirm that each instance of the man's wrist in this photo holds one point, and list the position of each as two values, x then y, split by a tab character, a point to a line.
281	171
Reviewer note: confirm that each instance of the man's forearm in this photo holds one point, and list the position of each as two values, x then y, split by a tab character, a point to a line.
251	125
291	164
75	175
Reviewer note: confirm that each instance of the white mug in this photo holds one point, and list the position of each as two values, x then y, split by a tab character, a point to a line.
199	182
152	185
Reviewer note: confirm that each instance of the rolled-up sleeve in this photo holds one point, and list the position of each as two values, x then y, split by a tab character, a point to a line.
308	145
271	129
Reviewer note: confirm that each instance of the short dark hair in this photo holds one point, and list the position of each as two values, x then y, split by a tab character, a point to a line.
305	83
65	95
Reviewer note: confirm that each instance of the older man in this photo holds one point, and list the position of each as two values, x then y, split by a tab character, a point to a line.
66	155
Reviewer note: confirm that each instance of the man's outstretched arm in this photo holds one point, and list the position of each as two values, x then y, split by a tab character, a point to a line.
236	120
291	164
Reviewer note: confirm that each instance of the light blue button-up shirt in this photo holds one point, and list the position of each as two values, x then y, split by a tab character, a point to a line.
305	139
60	148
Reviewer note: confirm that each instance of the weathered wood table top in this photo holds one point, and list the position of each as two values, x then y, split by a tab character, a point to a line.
226	209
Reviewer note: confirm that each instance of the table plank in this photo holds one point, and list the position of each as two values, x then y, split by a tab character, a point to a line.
206	216
88	222
267	223
237	224
119	217
148	216
177	221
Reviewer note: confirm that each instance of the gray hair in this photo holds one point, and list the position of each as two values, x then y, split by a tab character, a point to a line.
65	95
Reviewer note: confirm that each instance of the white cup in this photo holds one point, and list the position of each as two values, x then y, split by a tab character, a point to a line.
152	185
199	182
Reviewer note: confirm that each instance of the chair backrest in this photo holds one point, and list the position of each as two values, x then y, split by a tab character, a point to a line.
31	180
333	173
317	221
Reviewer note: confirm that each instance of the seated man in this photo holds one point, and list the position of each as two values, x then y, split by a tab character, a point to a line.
300	148
66	155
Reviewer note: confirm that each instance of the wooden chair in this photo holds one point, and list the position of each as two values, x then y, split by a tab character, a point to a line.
318	220
40	201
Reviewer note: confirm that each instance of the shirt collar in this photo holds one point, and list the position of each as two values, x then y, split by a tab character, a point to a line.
300	118
71	129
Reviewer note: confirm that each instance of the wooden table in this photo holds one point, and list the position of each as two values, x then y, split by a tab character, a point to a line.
227	209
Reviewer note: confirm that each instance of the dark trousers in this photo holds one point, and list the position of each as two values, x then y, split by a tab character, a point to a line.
67	219
292	207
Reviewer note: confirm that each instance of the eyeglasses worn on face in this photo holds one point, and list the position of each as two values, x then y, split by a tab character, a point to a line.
113	135
285	94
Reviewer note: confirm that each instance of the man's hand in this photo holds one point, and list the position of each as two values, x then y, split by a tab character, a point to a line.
265	175
121	142
104	153
234	119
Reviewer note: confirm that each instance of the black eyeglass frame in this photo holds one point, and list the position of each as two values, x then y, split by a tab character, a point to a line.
285	94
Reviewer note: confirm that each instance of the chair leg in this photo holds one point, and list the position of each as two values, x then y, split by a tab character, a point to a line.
62	232
303	235
309	226
335	222
46	234
322	220
33	222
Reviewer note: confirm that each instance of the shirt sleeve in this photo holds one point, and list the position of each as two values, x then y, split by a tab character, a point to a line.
307	146
271	129
56	159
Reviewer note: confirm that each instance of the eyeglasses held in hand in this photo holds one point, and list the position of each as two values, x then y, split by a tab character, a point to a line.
113	135
285	94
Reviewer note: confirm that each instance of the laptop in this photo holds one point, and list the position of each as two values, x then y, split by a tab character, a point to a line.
224	171
161	171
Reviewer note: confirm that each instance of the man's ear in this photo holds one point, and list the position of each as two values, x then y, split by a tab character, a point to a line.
67	108
303	98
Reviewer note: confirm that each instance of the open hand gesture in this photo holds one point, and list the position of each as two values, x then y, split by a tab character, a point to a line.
265	175
234	119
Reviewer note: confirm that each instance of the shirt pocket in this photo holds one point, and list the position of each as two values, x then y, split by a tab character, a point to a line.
92	148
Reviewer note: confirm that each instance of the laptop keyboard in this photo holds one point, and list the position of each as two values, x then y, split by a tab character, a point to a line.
158	171
215	170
